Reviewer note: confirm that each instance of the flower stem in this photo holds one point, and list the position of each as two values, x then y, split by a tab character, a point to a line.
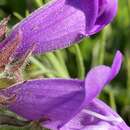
41	66
57	65
17	15
80	63
39	3
110	92
128	75
127	56
112	100
60	56
99	48
102	49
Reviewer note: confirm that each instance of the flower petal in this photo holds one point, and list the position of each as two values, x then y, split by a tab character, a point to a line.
85	121
52	101
107	11
100	76
116	65
59	24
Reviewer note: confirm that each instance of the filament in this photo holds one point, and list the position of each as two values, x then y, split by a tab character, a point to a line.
102	117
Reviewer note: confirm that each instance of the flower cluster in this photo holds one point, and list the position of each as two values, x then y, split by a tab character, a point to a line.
60	104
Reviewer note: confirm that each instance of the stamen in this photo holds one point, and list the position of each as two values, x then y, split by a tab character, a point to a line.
102	117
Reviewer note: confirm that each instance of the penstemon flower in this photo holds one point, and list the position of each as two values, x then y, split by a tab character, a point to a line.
56	25
64	103
61	23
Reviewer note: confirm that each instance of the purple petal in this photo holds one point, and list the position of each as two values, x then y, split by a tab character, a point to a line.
116	65
57	25
107	11
61	23
100	76
55	100
86	121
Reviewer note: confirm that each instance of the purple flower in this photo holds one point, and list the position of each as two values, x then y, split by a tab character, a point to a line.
96	116
62	23
54	102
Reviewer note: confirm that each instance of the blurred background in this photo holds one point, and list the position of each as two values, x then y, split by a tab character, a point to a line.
77	60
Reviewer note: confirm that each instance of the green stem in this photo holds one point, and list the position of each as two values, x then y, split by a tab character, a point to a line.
128	59
99	48
43	69
39	3
17	15
128	76
109	91
60	56
57	66
80	63
26	13
128	7
102	49
112	100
